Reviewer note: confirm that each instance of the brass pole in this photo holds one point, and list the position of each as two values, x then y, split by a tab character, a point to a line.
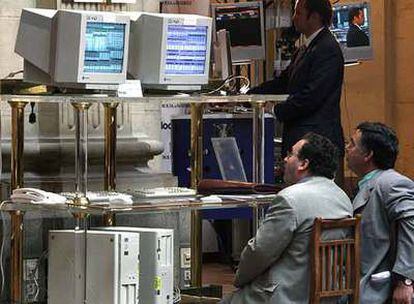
196	175
16	217
16	256
110	145
110	154
17	138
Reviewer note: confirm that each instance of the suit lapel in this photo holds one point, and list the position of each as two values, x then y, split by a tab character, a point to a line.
302	55
363	195
361	199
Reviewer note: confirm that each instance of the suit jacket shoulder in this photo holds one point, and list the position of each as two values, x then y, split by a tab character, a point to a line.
396	192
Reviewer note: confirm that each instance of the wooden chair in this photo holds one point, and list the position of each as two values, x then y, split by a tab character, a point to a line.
335	263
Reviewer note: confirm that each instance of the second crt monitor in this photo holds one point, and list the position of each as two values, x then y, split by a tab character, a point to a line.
170	51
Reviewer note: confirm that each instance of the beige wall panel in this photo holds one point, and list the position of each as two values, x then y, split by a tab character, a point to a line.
364	91
17	3
404	51
404	114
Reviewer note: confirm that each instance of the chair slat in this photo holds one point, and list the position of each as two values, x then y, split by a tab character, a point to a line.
335	263
335	269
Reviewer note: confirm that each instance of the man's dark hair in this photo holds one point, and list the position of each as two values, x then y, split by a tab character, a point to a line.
382	141
321	154
353	12
321	7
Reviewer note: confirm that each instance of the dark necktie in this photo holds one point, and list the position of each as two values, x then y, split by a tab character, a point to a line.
299	54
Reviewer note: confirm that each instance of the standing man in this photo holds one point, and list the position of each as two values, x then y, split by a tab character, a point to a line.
313	80
275	264
386	202
356	36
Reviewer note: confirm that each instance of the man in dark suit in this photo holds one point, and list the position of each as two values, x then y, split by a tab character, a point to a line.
356	36
313	80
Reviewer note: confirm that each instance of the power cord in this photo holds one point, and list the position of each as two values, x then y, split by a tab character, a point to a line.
231	81
177	295
12	74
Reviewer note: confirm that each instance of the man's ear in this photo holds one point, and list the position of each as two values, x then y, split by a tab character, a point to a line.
304	165
369	156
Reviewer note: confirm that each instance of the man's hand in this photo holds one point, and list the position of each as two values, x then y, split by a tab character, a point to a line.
402	294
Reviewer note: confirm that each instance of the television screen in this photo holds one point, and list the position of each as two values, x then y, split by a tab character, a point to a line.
244	22
104	50
186	50
351	25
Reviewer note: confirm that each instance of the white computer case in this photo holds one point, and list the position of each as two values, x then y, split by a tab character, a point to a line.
156	263
111	273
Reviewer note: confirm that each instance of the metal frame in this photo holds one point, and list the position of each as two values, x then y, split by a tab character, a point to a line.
81	114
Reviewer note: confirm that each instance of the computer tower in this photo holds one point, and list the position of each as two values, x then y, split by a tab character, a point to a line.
156	263
239	126
112	260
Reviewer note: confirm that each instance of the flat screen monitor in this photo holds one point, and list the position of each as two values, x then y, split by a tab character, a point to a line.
81	49
170	51
245	23
352	26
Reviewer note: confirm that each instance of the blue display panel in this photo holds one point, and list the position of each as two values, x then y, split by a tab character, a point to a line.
104	49
186	50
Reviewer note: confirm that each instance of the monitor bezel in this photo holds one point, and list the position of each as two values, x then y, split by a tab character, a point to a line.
363	53
244	53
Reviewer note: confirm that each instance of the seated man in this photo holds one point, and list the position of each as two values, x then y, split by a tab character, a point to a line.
386	202
275	264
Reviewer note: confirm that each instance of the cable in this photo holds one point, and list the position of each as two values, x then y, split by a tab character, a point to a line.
177	295
229	80
33	272
12	74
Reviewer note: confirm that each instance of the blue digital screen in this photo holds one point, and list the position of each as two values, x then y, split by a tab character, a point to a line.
186	50
104	49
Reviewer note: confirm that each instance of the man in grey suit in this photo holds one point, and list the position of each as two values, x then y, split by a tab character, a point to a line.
386	202
275	264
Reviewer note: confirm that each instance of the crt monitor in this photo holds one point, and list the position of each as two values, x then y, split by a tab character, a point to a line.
170	51
352	26
245	23
82	49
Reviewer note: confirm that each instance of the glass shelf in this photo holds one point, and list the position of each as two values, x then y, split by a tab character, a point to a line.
142	205
184	98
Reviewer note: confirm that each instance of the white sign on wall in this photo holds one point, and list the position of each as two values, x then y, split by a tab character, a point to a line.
168	111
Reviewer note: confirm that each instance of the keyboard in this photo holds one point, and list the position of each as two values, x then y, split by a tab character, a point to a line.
162	192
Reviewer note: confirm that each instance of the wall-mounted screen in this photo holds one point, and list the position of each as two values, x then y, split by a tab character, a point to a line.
352	26
244	22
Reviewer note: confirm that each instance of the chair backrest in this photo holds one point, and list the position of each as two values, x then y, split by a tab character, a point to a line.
335	264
